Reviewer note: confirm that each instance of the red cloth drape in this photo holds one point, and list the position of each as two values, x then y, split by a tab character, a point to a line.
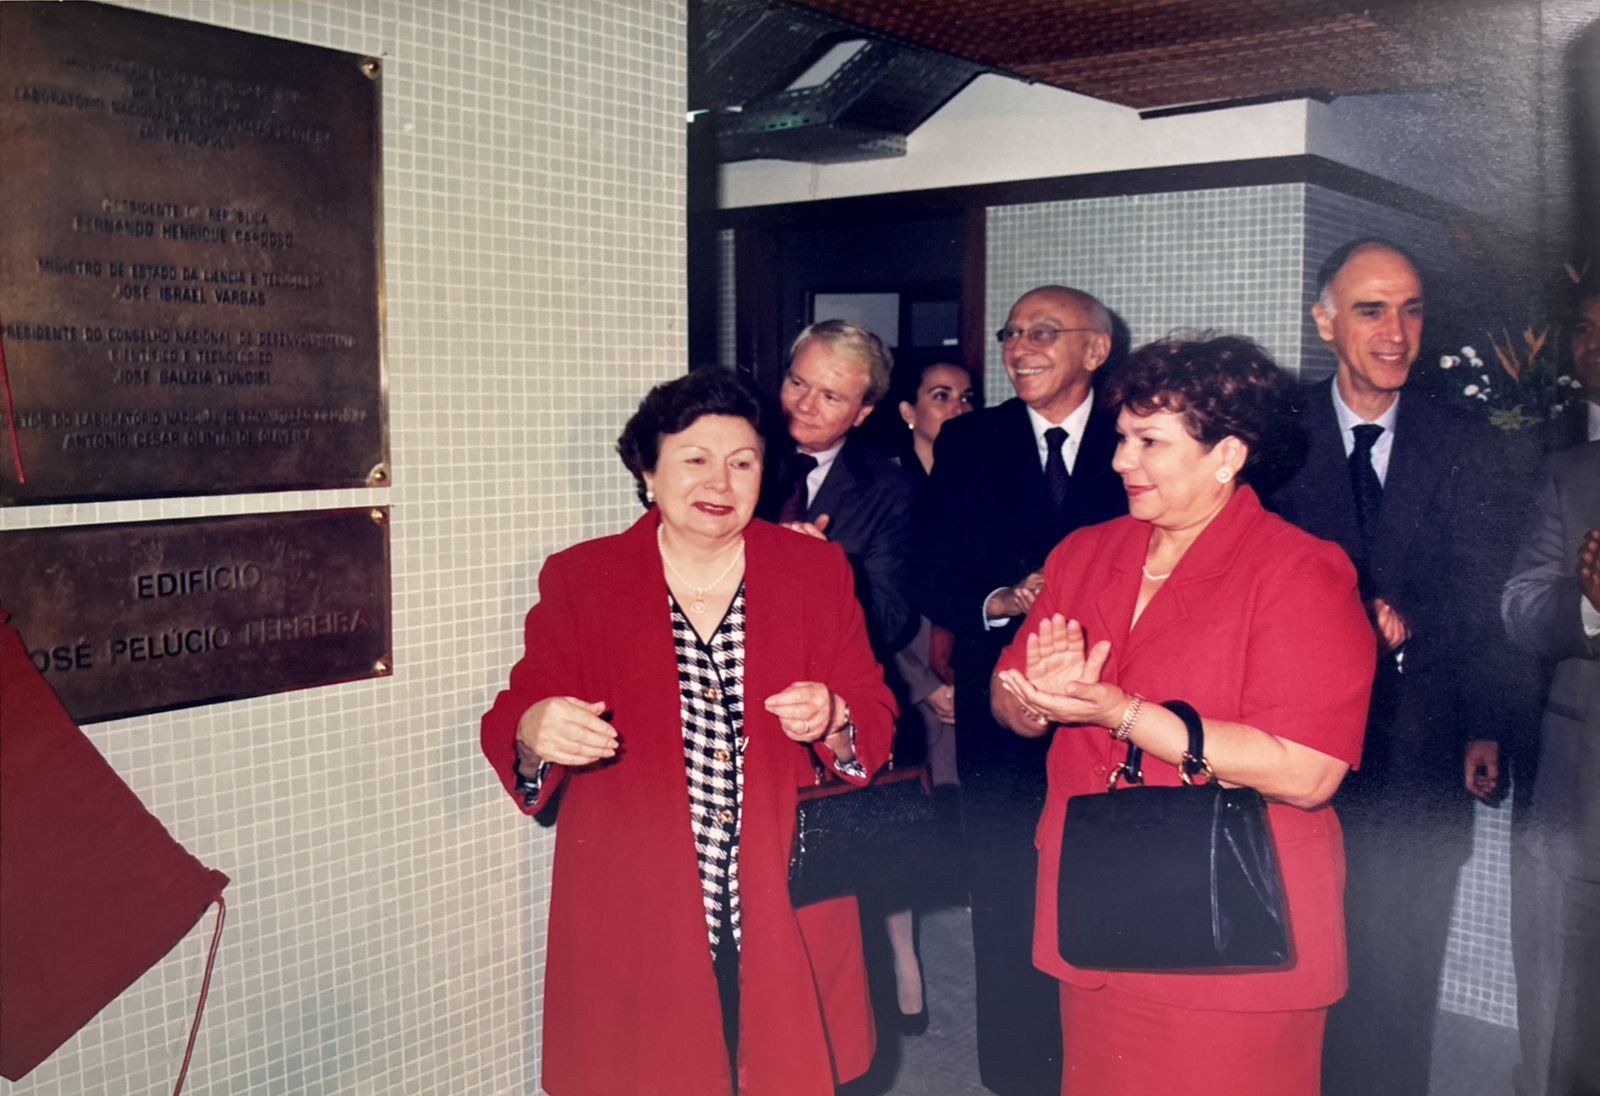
93	890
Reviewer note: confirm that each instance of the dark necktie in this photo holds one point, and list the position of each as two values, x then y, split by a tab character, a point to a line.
796	469
1364	483
1055	467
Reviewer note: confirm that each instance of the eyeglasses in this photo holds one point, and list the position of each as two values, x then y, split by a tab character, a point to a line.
1039	336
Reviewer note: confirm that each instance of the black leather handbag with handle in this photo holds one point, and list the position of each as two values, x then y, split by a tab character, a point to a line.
1172	878
848	836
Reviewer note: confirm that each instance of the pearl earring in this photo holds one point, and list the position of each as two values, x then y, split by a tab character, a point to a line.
649	493
1224	474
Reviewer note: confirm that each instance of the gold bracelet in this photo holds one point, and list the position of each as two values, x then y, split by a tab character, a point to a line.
1130	716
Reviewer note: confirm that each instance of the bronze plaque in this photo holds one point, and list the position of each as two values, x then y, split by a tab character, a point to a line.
141	617
190	274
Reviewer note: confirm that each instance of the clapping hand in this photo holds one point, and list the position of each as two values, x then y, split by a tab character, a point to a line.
1061	678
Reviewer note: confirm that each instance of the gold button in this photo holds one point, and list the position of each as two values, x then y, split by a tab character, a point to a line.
711	692
724	816
723	755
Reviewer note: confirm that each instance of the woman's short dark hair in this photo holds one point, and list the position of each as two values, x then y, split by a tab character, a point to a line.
1222	386
673	406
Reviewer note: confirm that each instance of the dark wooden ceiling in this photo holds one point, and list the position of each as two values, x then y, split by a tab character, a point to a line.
1164	53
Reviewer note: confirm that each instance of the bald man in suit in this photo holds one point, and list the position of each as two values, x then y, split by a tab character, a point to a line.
1406	484
1008	483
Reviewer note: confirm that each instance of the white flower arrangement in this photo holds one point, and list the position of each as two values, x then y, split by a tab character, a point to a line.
1530	392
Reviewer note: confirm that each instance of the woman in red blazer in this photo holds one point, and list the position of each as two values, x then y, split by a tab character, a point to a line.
679	678
1198	595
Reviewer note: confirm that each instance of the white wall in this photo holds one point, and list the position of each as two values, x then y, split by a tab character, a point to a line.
385	928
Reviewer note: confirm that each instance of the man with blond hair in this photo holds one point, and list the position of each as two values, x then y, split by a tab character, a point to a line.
835	486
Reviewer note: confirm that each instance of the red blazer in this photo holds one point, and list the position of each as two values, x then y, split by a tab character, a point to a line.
630	999
1260	624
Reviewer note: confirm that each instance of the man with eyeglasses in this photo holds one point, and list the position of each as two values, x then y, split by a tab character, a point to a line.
1008	483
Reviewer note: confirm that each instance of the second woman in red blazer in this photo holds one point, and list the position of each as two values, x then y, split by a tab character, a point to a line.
1198	595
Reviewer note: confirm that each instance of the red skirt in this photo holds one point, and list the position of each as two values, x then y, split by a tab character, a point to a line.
1115	1044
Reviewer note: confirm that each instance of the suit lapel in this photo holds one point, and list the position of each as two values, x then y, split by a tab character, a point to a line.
1114	601
763	591
1420	458
837	487
641	658
1098	448
1019	454
1208	558
1329	504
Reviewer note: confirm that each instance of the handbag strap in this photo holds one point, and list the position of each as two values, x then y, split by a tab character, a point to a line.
1192	765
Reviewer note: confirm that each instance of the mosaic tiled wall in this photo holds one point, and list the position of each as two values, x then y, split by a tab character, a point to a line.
1479	979
1226	259
386	916
1333	219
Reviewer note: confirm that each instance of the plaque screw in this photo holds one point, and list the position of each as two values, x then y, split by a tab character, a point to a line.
379	515
370	68
381	666
378	476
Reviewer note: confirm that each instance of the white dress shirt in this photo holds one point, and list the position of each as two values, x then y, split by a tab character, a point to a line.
1594	420
1349	420
815	477
1074	424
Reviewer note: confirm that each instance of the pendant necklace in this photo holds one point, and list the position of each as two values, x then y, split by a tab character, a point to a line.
697	598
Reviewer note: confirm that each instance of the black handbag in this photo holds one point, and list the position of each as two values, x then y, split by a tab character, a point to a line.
1173	878
848	837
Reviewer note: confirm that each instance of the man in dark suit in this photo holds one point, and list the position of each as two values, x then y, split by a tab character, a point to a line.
835	486
1008	483
1405	484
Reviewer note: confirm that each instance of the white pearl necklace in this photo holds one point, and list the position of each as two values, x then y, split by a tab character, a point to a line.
697	594
1154	578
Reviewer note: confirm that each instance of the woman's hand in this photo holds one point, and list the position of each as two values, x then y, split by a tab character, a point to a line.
566	731
807	711
1056	655
1082	702
1061	682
